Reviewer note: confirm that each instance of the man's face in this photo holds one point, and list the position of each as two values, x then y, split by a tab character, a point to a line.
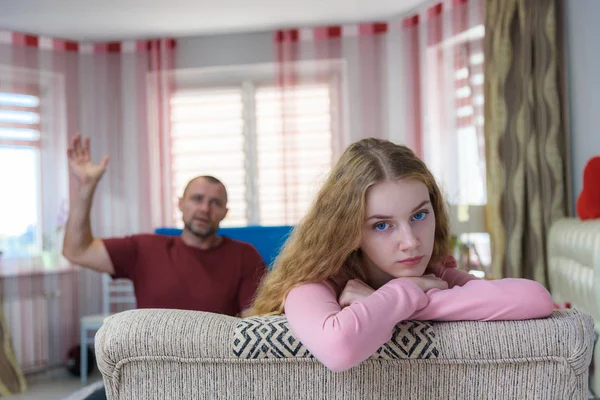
203	207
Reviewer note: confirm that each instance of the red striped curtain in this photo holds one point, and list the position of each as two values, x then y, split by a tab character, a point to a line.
452	89
416	80
117	94
361	68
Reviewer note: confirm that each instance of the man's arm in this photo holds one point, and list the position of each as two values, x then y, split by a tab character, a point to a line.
79	246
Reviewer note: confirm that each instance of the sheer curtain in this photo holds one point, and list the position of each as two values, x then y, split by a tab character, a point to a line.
416	80
360	77
353	61
35	190
452	88
119	105
101	90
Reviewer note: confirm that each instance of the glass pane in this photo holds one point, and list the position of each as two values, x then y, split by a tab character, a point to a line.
19	199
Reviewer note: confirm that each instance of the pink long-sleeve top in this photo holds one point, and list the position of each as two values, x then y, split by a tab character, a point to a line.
342	338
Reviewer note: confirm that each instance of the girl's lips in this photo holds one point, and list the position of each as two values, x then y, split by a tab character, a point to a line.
411	262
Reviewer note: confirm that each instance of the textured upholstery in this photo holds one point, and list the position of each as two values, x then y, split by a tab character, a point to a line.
174	354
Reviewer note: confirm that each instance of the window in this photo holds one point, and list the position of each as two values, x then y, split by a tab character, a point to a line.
468	85
468	78
20	203
455	150
270	147
207	138
456	146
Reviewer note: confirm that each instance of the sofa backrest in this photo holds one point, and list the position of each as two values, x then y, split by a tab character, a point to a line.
180	354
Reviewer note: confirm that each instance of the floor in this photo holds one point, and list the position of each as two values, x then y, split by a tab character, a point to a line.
56	385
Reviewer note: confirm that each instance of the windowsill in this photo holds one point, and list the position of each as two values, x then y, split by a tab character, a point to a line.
12	267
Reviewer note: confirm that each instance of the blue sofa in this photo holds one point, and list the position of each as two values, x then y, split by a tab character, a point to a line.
267	239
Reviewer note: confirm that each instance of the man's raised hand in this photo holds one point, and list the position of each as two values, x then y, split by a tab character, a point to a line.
81	164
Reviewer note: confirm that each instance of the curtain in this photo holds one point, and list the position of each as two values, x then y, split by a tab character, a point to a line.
104	91
526	140
365	66
416	80
123	95
451	55
368	78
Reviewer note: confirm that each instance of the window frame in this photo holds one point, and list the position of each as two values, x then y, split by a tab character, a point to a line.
34	144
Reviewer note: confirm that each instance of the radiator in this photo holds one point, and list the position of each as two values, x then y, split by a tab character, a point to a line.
41	318
28	326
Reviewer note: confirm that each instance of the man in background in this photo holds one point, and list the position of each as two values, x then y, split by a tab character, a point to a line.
195	271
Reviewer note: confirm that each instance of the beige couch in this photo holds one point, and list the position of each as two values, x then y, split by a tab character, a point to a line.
173	354
574	271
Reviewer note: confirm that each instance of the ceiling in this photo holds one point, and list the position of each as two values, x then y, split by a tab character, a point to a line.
105	20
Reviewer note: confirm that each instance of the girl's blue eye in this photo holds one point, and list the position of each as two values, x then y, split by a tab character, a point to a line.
381	226
419	216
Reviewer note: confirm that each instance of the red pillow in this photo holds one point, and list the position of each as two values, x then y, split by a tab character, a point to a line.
588	203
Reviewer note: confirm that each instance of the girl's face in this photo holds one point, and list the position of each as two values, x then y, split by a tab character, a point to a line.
399	230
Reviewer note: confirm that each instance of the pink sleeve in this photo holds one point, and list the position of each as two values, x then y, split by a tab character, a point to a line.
481	300
343	338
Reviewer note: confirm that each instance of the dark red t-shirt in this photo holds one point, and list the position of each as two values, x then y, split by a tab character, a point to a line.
167	273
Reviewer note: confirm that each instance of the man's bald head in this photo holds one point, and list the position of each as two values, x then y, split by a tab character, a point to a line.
208	178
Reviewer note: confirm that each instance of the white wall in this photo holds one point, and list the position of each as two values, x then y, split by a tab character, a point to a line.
583	63
225	50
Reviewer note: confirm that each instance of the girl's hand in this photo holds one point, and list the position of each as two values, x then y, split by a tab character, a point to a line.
355	290
428	282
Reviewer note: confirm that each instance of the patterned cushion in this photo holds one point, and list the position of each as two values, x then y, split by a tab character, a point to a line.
271	337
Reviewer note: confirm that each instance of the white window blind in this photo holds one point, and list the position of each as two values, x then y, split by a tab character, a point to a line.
19	118
207	138
294	149
271	148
